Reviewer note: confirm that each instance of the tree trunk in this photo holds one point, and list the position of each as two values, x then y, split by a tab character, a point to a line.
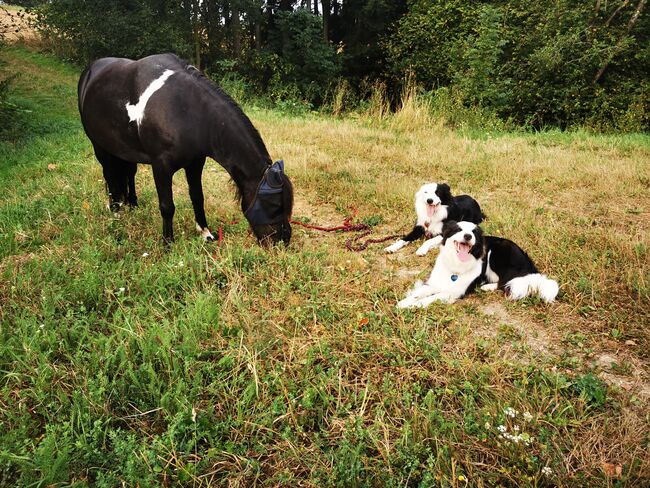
326	19
617	48
308	5
315	7
258	34
236	31
196	33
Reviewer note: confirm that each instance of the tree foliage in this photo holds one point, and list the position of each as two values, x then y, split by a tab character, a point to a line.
536	64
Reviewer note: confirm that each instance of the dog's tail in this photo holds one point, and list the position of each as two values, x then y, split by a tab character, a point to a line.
532	284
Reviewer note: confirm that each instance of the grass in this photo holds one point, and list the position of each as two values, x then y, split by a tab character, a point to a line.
207	365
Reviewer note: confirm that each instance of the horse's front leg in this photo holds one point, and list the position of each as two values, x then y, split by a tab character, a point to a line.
162	175
131	196
193	174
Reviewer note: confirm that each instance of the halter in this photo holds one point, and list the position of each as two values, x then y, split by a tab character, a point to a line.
267	206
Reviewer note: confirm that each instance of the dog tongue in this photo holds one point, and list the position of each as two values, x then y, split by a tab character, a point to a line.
463	252
430	210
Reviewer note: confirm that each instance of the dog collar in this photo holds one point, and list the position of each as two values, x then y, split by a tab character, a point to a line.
454	277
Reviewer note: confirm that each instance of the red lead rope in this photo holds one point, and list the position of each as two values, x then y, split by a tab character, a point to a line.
347	226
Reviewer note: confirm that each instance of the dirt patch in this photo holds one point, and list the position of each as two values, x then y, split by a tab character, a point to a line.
614	367
315	212
535	337
15	25
622	370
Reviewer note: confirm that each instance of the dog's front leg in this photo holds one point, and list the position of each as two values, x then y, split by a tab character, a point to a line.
396	246
416	233
415	295
428	245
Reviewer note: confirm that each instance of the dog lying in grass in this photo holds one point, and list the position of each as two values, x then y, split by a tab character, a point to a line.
434	205
468	259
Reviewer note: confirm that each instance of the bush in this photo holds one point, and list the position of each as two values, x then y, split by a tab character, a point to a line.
535	64
126	28
7	109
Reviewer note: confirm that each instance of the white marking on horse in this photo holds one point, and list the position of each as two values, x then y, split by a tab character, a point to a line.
205	233
136	112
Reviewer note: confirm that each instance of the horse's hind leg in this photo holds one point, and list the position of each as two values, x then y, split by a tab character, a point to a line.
115	177
193	174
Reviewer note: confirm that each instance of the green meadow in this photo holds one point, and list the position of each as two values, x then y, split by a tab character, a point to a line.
126	363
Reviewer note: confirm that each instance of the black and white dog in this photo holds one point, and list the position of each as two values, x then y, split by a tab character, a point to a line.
434	205
468	259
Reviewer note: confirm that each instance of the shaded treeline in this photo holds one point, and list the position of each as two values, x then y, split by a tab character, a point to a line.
563	63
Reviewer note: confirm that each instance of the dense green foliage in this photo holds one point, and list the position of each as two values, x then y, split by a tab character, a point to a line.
533	64
538	63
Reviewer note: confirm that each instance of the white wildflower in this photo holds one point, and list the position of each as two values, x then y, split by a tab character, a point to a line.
487	425
145	254
516	428
546	471
528	416
501	428
510	412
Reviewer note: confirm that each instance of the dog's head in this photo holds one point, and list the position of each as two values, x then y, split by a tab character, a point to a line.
430	197
462	241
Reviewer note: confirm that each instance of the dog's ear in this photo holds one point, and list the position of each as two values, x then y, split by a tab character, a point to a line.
478	249
449	228
444	192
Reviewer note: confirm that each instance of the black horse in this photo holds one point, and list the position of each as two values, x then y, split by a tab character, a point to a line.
162	111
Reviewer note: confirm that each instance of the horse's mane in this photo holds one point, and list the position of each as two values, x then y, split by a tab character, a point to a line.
216	90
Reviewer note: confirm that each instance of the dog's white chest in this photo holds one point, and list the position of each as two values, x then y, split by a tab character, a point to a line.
455	282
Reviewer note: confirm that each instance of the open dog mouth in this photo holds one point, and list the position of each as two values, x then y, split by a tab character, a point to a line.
432	208
462	250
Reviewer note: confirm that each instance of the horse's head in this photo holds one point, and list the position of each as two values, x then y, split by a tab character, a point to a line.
270	210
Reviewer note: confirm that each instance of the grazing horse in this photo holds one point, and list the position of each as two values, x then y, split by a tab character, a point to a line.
161	111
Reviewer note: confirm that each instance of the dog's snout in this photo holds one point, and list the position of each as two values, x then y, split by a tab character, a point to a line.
430	201
468	237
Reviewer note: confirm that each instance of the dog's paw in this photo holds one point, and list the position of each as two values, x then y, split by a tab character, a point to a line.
422	250
408	302
490	287
395	247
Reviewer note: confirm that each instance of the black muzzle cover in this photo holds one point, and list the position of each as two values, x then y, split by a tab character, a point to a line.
268	207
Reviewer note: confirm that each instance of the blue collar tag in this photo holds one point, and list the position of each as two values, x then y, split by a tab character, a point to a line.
454	277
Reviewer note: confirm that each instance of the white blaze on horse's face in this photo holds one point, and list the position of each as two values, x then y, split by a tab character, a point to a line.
136	112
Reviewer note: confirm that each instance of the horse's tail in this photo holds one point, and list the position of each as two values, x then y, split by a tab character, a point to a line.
81	88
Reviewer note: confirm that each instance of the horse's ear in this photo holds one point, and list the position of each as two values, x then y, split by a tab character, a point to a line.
275	174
